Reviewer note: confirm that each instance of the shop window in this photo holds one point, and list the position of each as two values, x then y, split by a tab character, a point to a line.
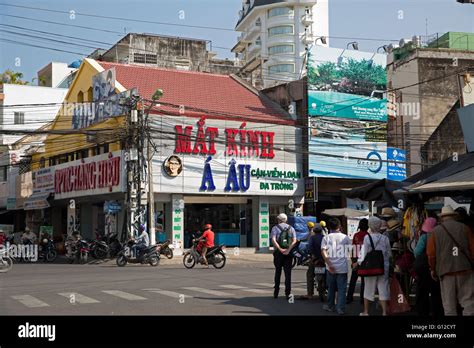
63	158
19	118
42	162
3	173
25	165
90	95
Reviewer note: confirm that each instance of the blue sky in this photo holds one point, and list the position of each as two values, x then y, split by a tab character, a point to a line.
380	19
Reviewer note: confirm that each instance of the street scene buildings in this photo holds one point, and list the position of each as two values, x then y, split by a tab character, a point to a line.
290	151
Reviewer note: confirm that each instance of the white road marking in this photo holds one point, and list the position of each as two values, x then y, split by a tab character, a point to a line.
272	285
207	291
269	285
30	301
168	293
78	298
124	295
243	288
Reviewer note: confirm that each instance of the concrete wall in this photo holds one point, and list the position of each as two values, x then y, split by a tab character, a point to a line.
446	141
169	52
433	99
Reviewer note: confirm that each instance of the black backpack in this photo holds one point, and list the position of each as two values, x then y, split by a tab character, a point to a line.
284	240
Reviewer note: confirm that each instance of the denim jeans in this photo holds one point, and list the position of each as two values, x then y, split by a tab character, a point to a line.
337	282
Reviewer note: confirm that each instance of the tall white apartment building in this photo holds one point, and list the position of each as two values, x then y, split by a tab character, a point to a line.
275	34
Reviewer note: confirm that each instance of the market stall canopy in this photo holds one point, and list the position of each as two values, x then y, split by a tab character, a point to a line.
347	212
381	190
443	169
460	181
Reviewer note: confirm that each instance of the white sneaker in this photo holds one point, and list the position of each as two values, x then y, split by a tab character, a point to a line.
364	314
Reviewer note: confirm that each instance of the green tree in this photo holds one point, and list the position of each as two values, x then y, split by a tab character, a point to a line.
363	75
322	75
12	77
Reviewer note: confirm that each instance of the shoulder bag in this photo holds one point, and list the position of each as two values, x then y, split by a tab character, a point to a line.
373	264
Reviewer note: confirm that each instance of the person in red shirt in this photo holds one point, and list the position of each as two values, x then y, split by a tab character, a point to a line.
357	242
206	241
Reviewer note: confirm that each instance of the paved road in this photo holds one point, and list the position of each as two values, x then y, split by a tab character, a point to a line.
241	288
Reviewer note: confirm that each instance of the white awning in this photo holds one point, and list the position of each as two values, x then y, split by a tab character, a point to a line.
37	201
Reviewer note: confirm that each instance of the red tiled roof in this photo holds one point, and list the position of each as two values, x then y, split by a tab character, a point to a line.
202	94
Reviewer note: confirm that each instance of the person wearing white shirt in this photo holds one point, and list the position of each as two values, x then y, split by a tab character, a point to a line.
381	283
334	249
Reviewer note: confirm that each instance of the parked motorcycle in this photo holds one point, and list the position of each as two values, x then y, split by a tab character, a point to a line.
300	256
6	262
165	249
320	279
99	247
215	256
114	244
77	250
128	254
47	251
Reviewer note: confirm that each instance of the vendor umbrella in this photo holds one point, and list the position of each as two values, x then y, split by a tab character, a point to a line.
381	190
347	212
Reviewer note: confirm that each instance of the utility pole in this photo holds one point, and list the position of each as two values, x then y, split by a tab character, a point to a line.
151	198
134	159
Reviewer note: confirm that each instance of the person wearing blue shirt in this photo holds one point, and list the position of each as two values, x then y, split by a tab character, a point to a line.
314	249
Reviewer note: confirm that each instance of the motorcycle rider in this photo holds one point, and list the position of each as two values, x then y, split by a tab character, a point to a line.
143	241
29	237
206	241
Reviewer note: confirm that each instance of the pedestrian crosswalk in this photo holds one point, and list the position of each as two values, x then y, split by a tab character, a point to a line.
95	297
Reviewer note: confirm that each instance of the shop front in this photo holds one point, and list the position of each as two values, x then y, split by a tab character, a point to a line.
88	195
236	176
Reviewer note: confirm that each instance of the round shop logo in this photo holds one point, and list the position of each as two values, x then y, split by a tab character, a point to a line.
173	166
373	162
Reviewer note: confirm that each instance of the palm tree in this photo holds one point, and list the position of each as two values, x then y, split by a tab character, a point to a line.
14	78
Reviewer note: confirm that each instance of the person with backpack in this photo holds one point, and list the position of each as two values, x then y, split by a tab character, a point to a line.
283	239
334	249
374	262
450	251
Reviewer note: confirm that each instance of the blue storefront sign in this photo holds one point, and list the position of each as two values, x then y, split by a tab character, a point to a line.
396	164
112	207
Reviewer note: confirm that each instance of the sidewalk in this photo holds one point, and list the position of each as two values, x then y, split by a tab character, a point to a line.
234	256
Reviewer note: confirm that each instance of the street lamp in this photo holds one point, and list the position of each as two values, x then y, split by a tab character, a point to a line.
323	40
354	45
